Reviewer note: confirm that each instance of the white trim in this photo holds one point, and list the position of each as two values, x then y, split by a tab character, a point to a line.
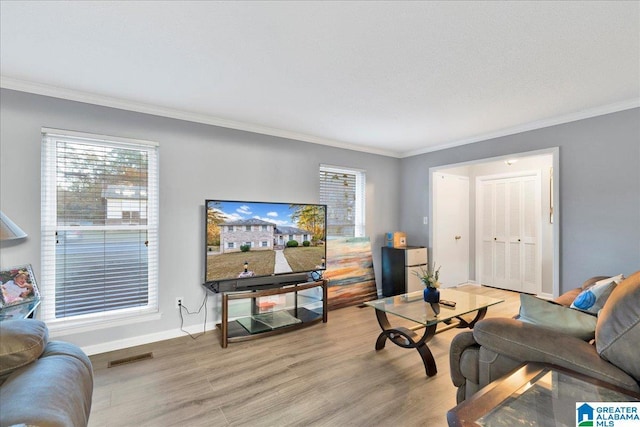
77	326
334	168
539	124
105	101
61	133
146	339
544	295
122	104
92	321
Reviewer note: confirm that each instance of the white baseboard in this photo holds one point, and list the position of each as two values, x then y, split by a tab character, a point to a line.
470	283
146	339
545	296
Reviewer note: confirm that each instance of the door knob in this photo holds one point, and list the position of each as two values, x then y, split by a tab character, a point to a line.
458	237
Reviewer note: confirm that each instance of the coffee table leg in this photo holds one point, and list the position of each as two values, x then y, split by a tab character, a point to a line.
405	338
479	316
427	357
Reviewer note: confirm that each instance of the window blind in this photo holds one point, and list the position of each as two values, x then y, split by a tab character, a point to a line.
99	228
343	191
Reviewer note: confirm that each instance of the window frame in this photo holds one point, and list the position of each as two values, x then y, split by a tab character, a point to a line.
359	224
49	220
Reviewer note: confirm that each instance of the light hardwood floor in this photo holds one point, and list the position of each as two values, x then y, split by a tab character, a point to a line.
325	375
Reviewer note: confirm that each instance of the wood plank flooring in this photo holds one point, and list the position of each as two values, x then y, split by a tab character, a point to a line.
325	375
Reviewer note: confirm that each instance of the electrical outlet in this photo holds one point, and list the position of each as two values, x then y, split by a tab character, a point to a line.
179	302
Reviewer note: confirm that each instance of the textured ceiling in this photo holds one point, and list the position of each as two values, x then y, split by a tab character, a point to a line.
395	78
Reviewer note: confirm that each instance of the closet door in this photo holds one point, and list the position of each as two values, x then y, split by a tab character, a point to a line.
513	222
509	232
531	246
493	261
485	218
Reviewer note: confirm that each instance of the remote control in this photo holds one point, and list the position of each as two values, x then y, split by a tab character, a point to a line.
448	303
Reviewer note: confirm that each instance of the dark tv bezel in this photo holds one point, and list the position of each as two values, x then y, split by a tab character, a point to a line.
264	281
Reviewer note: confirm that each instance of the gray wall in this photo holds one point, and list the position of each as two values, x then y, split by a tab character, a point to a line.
599	190
196	162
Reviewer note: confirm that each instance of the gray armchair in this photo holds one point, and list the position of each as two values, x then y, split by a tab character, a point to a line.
497	346
42	383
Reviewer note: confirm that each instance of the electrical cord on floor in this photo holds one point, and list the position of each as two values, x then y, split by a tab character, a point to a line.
204	326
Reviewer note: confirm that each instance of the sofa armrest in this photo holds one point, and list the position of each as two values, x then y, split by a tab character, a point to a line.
59	384
459	344
530	343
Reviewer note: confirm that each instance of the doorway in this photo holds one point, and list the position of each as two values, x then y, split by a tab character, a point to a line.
547	162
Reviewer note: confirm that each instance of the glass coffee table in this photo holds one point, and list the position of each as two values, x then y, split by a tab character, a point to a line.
537	394
412	307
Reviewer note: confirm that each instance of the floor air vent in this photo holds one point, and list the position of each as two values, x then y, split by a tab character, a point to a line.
131	359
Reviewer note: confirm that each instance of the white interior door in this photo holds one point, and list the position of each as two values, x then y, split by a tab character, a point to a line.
508	230
451	235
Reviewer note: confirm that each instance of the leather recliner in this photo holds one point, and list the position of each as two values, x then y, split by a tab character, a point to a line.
42	383
497	346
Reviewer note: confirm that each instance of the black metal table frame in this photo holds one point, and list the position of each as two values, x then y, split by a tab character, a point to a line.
408	338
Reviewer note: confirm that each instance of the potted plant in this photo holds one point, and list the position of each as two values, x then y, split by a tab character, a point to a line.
430	279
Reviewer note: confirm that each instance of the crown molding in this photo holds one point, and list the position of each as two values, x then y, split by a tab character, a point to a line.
539	124
122	104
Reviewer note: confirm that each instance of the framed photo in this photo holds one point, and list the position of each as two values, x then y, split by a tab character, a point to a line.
18	285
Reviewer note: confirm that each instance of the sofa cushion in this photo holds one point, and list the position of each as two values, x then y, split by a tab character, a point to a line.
21	342
593	298
618	328
551	315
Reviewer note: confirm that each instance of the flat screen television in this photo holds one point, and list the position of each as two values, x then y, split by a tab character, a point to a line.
250	245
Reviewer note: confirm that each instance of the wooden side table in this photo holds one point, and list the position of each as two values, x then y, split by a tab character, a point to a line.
543	395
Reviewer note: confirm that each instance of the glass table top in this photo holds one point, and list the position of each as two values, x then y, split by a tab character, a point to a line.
19	311
412	307
549	400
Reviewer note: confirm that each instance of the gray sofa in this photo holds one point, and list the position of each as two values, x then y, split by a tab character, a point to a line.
496	346
42	383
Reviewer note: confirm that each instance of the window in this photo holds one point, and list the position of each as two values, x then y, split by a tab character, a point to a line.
247	228
99	228
343	190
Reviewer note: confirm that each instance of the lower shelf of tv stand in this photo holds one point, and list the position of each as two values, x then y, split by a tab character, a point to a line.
275	322
237	332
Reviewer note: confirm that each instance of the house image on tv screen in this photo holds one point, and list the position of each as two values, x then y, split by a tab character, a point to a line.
258	235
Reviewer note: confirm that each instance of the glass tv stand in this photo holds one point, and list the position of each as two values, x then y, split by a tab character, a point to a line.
270	311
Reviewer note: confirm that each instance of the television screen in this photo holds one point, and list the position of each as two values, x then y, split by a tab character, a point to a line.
249	240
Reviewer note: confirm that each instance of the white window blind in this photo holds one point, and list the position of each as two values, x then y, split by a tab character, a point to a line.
343	191
99	228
